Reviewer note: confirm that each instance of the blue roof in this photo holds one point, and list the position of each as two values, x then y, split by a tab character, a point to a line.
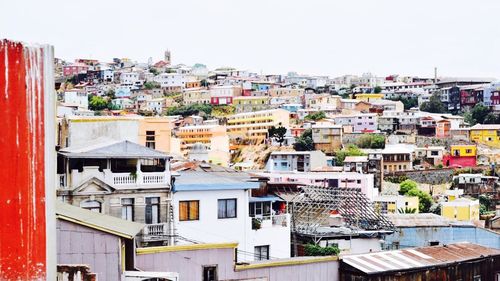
217	186
269	198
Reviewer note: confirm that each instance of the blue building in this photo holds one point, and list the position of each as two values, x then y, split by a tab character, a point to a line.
420	230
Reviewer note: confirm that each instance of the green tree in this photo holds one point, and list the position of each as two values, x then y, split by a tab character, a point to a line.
424	200
111	94
304	142
151	85
479	113
277	133
154	71
315	116
406	186
492	118
371	141
189	110
407	102
434	105
350	150
377	90
97	103
316	250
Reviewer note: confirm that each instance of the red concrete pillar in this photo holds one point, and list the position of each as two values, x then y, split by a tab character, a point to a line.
26	87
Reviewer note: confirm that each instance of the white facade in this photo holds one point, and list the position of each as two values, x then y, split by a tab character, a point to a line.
130	78
75	98
210	229
171	80
156	105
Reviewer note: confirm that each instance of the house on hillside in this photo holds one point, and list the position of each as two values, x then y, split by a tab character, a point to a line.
214	204
122	179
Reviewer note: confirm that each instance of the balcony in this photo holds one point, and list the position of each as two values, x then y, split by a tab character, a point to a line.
156	232
139	179
263	222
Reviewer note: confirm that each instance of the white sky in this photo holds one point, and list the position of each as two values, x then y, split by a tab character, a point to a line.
330	37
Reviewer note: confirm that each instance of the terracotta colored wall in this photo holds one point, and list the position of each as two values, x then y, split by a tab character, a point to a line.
22	160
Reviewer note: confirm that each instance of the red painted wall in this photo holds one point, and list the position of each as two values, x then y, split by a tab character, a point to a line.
467	161
22	173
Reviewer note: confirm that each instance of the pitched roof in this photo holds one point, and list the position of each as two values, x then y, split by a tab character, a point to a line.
105	223
113	149
414	258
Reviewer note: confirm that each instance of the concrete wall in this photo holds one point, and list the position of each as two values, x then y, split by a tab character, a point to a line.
420	236
189	265
436	176
81	132
77	244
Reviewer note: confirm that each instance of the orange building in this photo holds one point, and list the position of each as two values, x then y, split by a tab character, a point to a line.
156	133
443	129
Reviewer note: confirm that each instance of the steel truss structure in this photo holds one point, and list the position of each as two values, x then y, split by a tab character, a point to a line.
311	210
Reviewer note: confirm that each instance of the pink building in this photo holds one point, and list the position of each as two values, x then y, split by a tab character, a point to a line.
74	69
327	179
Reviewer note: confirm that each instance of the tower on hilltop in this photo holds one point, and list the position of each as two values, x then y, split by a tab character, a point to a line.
168	57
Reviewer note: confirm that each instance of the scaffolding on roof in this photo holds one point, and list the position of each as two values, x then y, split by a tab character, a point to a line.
312	208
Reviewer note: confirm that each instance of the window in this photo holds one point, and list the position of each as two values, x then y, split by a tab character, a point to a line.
210	273
128	209
260	209
261	253
433	243
152	210
227	208
91	205
189	210
150	139
468	151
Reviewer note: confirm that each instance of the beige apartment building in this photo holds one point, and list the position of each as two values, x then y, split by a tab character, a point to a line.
196	95
253	126
327	137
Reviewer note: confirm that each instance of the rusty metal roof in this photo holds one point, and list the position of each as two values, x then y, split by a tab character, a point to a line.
401	260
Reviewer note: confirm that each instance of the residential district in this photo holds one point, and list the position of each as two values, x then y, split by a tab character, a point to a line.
167	171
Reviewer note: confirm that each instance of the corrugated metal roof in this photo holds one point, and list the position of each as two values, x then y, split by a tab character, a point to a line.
113	149
98	221
401	260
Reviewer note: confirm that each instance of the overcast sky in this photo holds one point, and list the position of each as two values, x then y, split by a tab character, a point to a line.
330	37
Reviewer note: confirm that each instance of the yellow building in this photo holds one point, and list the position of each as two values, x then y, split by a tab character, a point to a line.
247	103
254	125
204	134
195	96
369	97
461	209
486	134
156	133
463	150
394	204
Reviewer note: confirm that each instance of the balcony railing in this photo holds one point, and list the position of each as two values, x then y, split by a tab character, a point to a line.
119	179
153	179
76	178
280	220
155	232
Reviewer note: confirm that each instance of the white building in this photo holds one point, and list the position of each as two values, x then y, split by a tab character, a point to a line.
77	98
131	79
167	80
219	209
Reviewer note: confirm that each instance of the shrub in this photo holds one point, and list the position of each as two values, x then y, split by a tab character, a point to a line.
316	250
